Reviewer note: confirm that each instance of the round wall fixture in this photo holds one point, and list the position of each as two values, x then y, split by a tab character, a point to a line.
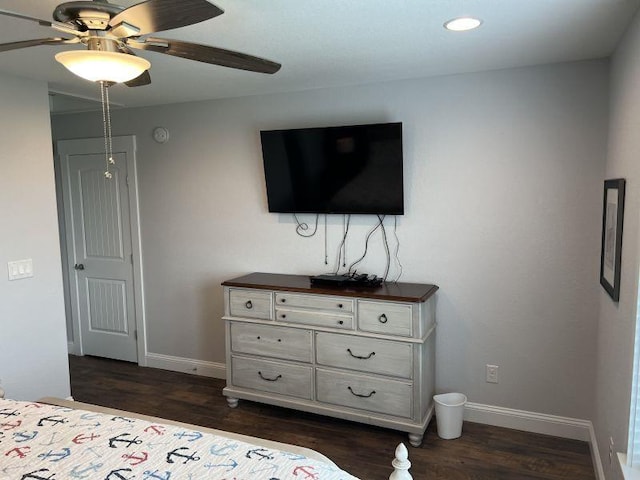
161	135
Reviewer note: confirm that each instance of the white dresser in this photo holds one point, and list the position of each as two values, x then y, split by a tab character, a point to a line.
364	354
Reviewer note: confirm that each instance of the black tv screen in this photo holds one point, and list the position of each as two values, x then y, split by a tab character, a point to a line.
345	170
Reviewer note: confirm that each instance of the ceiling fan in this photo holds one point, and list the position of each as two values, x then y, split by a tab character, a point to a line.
111	33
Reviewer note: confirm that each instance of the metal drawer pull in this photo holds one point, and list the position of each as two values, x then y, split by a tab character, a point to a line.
283	316
360	395
382	318
269	379
340	322
359	357
283	300
248	304
339	305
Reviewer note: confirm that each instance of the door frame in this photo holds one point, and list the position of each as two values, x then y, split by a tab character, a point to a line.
65	219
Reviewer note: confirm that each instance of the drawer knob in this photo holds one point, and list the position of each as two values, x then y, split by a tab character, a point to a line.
258	337
373	392
283	316
339	305
359	357
249	305
269	379
283	300
383	318
340	322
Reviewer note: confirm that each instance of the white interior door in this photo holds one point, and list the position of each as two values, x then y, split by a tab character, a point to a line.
99	246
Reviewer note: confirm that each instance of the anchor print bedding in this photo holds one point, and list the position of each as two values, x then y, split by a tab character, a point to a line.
47	442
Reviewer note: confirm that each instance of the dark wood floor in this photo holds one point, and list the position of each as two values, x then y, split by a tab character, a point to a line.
482	453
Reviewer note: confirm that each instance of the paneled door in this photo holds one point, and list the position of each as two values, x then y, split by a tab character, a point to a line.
99	243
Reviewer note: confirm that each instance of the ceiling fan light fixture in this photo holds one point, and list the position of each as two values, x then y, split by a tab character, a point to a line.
462	24
97	65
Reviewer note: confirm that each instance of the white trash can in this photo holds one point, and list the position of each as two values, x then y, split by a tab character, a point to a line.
449	414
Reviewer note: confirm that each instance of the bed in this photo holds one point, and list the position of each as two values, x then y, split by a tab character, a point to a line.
56	439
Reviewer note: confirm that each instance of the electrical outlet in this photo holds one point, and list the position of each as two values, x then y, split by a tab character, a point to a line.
492	373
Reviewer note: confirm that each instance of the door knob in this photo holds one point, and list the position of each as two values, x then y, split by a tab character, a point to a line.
79	266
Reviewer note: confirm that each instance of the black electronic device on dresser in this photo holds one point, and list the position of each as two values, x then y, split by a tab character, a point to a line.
356	169
356	280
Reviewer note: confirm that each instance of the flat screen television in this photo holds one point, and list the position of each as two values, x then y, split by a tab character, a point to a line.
345	170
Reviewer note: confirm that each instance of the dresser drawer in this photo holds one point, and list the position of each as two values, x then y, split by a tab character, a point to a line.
365	354
269	341
320	319
385	317
390	397
331	304
250	304
274	377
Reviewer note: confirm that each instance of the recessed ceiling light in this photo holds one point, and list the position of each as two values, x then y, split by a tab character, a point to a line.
462	24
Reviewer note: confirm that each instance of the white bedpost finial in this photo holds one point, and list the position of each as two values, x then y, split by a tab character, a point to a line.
401	464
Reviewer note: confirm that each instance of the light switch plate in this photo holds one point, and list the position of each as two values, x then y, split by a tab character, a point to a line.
20	269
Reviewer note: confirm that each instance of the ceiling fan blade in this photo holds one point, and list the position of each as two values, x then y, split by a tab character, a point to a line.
5	47
143	79
207	54
158	15
63	27
43	23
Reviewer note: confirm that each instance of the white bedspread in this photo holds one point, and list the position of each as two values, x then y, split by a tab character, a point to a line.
46	442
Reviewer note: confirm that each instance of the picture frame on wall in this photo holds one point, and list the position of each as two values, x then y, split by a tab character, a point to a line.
612	221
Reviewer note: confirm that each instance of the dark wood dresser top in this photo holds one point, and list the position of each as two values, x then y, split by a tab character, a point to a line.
399	292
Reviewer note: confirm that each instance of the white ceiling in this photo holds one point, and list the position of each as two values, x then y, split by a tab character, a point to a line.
324	43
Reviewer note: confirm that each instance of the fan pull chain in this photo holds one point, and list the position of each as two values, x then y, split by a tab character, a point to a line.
106	123
111	159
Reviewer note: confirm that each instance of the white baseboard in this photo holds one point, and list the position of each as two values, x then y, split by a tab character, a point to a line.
557	426
73	348
186	365
564	427
595	454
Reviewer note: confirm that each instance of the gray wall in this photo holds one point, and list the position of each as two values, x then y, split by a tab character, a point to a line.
617	322
33	343
503	188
